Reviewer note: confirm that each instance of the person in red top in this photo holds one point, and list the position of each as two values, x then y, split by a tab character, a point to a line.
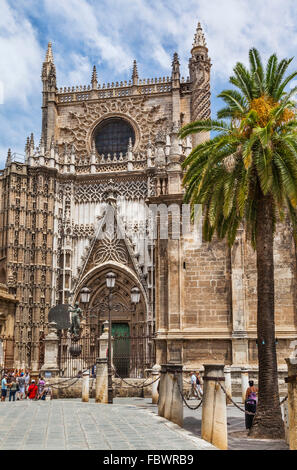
32	390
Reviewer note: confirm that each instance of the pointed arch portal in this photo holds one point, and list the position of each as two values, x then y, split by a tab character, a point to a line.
133	347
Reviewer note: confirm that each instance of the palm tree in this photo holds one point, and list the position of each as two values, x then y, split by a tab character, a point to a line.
247	173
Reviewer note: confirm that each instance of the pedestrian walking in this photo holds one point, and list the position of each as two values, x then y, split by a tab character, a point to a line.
41	385
250	403
193	385
32	390
27	381
13	389
199	385
4	387
22	386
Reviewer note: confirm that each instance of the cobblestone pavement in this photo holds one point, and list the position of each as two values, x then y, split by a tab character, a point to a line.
237	435
71	424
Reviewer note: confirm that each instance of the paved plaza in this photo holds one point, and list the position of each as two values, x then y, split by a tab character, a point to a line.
128	424
73	425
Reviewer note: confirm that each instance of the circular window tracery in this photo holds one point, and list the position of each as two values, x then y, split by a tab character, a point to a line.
112	136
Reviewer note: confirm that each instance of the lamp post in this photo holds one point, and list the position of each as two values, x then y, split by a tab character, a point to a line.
108	305
110	283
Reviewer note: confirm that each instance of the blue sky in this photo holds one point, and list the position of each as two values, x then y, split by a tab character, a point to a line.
112	33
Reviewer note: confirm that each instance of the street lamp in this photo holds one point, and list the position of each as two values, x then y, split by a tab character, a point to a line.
85	295
110	283
135	295
110	280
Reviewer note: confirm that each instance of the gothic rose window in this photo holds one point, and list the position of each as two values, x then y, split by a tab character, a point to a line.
112	136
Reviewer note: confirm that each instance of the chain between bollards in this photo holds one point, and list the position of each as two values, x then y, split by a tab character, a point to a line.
77	377
136	386
184	399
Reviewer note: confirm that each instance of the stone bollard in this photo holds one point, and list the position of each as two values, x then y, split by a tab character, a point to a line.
214	410
228	384
291	380
85	386
173	409
154	374
244	382
177	406
162	390
101	394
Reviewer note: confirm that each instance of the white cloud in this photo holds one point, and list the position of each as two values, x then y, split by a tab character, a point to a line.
20	54
82	21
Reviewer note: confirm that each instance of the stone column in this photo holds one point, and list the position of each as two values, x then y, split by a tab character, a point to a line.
101	381
162	390
244	382
154	374
51	347
291	380
214	410
228	383
85	386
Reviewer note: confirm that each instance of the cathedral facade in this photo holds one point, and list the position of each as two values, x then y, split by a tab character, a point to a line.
118	142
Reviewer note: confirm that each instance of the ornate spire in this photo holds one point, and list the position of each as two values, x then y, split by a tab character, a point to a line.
32	141
8	159
94	80
175	70
48	67
135	73
49	53
27	146
199	38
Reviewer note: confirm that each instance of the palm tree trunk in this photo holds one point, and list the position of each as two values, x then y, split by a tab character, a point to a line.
268	421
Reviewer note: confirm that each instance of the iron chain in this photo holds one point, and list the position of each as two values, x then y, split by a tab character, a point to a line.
185	401
136	386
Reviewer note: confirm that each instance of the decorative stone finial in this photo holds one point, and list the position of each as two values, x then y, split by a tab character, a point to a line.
199	38
32	141
27	146
175	71
49	53
94	80
8	160
175	63
135	73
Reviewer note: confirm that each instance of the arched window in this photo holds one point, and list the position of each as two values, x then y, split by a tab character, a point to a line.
112	136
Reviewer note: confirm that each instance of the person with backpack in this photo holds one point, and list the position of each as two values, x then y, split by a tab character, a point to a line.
22	385
250	404
41	385
13	389
32	391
